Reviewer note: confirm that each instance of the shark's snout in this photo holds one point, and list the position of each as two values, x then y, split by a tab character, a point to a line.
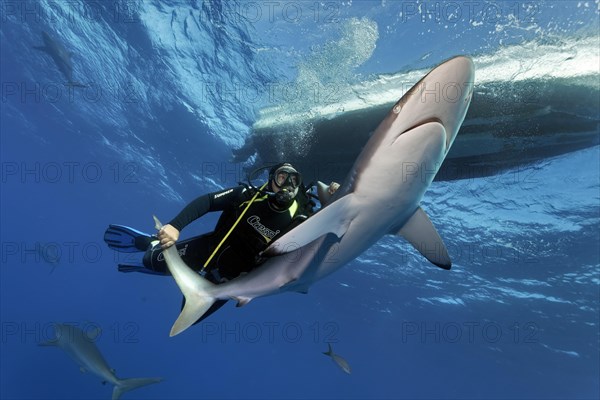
442	96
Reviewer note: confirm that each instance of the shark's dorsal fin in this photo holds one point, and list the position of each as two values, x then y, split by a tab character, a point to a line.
421	233
335	218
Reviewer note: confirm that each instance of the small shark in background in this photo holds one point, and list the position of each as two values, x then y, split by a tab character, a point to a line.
343	364
61	57
80	346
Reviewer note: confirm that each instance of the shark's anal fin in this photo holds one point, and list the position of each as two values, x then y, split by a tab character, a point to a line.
421	233
335	218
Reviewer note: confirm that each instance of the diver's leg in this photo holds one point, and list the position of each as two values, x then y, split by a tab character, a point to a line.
193	251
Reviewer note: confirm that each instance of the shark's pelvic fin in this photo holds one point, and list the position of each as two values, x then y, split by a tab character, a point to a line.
335	218
421	233
242	301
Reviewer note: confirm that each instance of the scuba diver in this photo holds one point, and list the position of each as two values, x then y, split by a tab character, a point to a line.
251	219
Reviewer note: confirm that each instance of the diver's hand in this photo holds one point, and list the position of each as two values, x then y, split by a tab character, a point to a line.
333	186
168	235
324	191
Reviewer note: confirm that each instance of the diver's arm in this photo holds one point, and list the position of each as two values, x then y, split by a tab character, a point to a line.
169	233
216	201
326	191
191	212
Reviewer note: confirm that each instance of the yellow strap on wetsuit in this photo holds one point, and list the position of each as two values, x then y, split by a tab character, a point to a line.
232	227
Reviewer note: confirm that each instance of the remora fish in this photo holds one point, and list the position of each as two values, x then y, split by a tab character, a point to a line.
381	195
80	346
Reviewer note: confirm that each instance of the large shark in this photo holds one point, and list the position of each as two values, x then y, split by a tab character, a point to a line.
381	195
61	57
80	346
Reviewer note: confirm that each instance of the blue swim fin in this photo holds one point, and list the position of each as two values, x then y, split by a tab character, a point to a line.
127	240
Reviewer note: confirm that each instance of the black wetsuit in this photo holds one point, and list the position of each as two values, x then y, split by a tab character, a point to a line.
262	223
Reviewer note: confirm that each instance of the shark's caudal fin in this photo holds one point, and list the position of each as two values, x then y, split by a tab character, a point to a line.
125	385
195	289
329	352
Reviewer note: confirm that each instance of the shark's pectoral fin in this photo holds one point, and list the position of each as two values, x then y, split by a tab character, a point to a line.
40	48
421	233
335	218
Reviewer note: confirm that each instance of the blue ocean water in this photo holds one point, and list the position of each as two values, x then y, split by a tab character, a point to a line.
173	87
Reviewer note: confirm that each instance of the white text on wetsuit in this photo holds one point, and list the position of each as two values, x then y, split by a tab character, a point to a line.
254	222
223	193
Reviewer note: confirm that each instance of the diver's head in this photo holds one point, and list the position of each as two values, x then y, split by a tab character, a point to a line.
284	181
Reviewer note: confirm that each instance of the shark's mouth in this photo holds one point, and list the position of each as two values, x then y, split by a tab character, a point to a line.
419	124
